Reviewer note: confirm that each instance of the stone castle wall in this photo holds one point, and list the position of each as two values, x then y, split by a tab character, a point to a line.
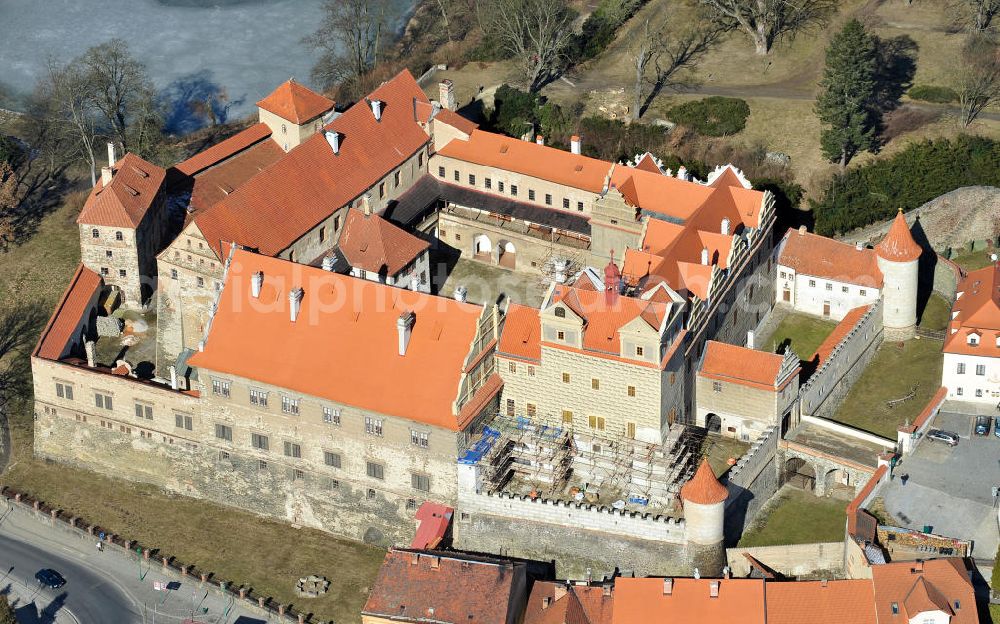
824	559
752	482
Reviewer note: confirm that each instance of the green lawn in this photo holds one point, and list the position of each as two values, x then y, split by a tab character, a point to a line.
893	372
718	449
994	613
971	261
804	333
936	313
797	517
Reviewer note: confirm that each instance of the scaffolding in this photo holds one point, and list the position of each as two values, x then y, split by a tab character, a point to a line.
559	463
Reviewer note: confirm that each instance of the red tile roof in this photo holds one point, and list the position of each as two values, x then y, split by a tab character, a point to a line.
749	367
802	602
929	410
553	602
844	327
125	201
373	244
224	149
289	198
819	256
648	163
82	290
521	333
602	321
348	321
445	588
295	103
704	487
977	310
434	520
456	121
919	587
213	184
898	244
643	600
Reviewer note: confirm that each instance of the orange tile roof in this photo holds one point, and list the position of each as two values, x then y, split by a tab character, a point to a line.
819	256
898	244
68	313
456	121
529	158
655	192
520	337
214	183
859	499
350	323
704	487
648	163
749	367
125	201
843	328
977	310
295	103
917	587
643	600
373	244
569	604
602	321
803	602
224	149
280	204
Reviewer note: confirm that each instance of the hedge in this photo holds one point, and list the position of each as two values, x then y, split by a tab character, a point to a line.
712	116
600	27
930	93
923	171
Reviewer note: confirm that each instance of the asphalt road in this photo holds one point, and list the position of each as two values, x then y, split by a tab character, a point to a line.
87	595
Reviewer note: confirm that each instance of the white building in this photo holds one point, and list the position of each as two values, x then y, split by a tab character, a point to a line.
972	347
821	276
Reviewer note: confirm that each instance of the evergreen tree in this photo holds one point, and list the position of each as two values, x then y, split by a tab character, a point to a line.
6	611
847	104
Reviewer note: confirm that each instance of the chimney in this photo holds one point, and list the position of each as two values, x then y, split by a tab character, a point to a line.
333	138
295	302
724	229
606	589
112	157
697	573
822	583
750	339
256	281
704	255
173	377
461	293
366	204
435	563
404	325
725	569
802	230
106	174
414	558
574	144
90	348
713	589
918	566
682	173
328	263
446	94
376	109
859	246
668	586
539	139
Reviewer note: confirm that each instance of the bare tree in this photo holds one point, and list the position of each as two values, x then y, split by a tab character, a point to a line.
659	56
977	15
978	76
122	92
349	40
64	102
765	21
533	32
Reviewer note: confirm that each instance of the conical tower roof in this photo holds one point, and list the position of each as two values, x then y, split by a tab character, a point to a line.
898	245
704	488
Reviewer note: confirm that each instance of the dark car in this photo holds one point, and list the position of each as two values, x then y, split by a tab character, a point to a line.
996	427
949	438
50	578
982	425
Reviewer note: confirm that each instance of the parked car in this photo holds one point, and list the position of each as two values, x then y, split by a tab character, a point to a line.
982	425
50	578
996	426
949	438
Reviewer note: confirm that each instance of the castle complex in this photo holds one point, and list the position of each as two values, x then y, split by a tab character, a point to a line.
260	325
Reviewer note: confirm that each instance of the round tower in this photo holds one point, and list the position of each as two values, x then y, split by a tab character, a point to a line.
704	500
898	258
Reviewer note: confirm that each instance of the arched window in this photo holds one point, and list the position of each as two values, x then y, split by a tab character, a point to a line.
560	312
284	130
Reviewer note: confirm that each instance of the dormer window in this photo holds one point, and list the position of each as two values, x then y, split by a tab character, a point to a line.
973	340
560	312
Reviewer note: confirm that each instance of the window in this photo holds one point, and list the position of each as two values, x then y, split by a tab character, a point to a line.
224	432
64	391
440	172
322	233
375	470
531	371
529	409
395	180
513	190
782	274
289	405
561	335
472	180
716	386
336	223
173	274
201	282
500	186
108	253
411	504
95	233
595	384
512	367
457	176
630	430
104	271
567	417
812	283
548	199
103	401
565	377
258	398
565	203
560	312
829	286
331	416
297	475
331	459
144	411
631	391
596	423
259	441
531	194
579	206
122	273
843	289
979	392
420	159
980	369
261	464
220	388
639	351
371	494
960	368
183	421
863	292
488	183
510	407
973	339
119	236
419	438
293	450
381	190
373	426
959	391
420	482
